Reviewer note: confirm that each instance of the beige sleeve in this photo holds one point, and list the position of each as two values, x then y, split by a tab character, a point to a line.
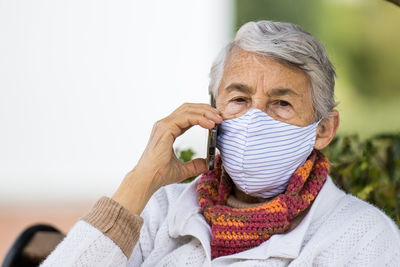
116	222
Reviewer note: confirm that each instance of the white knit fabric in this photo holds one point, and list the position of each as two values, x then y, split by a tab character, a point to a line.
86	246
339	230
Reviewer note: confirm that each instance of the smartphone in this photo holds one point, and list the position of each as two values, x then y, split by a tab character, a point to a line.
212	142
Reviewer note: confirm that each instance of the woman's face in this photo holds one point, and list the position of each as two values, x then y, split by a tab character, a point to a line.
251	81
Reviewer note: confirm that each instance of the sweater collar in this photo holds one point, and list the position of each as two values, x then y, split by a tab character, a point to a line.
185	218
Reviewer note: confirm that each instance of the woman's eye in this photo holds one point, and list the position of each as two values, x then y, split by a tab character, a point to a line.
239	100
282	109
283	103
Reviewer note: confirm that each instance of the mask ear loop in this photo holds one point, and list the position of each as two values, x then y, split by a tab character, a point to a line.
317	122
316	127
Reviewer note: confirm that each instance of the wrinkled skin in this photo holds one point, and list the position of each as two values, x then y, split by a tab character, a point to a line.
249	81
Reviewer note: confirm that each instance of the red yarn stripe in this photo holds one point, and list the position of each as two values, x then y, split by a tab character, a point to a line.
235	230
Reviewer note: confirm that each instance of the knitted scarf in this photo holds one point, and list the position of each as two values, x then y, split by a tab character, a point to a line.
235	230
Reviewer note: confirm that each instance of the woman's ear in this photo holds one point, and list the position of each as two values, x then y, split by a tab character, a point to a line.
326	130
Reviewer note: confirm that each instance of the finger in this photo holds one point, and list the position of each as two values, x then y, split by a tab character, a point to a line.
183	123
199	105
188	115
204	109
212	116
205	117
194	167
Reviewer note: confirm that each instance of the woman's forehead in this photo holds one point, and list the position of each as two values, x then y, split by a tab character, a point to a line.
252	70
240	60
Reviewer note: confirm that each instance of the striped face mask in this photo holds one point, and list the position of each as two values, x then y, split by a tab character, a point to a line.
260	153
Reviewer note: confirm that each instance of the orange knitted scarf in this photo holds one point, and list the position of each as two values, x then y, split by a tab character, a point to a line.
235	230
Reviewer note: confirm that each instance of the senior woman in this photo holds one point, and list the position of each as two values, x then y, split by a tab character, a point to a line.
269	200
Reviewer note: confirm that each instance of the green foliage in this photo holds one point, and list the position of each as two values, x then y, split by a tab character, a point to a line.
301	12
368	169
185	156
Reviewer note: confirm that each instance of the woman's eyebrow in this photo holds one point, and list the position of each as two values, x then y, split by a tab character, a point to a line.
239	87
281	92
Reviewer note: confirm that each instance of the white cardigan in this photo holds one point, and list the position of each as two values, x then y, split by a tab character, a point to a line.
339	230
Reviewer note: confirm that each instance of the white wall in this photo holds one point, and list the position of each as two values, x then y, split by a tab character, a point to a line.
82	82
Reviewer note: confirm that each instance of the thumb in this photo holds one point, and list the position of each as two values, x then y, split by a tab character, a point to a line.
194	167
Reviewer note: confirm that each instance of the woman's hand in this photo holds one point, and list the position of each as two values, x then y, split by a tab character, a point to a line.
158	165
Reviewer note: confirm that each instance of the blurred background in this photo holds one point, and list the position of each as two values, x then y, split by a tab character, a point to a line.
82	82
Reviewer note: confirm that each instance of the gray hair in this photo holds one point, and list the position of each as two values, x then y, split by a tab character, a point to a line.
289	44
